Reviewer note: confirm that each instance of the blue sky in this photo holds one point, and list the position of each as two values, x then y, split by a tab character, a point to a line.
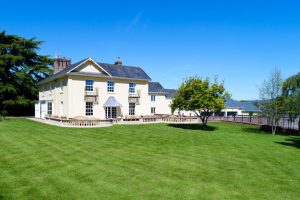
240	41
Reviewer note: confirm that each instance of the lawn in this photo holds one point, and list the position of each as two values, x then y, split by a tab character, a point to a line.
153	161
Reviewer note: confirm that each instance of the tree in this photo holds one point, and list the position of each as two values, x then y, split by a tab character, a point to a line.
291	90
200	96
272	103
20	69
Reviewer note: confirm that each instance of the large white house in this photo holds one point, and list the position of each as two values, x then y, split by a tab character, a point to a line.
100	90
106	91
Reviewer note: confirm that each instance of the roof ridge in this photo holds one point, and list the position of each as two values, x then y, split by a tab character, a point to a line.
118	65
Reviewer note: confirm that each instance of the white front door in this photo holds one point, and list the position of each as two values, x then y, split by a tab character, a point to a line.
37	112
43	109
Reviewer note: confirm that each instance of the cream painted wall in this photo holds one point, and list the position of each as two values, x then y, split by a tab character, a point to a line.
55	92
161	104
76	92
89	67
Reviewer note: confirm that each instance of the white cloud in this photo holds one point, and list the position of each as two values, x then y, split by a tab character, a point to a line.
135	21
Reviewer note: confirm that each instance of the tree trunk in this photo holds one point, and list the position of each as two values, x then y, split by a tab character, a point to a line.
273	130
202	117
203	120
273	127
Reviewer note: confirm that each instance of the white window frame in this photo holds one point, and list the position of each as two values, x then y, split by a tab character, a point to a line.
131	109
153	98
110	86
110	112
153	110
89	85
51	108
89	108
132	87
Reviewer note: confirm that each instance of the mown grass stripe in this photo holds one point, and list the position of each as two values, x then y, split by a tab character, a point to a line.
154	161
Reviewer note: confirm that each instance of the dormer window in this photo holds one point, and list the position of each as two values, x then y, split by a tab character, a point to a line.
89	85
131	88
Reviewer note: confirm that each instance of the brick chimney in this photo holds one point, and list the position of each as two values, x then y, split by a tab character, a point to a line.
60	63
118	61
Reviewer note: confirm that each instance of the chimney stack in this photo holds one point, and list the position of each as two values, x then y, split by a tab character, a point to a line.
60	63
118	61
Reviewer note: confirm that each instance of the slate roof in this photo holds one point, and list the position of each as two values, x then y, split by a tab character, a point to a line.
156	87
246	106
116	71
170	93
124	71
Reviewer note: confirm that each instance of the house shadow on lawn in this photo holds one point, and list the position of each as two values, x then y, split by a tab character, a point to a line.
193	127
293	142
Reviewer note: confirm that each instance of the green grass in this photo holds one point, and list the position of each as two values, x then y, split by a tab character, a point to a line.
154	161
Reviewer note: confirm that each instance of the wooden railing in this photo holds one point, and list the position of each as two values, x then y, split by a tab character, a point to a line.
171	119
284	122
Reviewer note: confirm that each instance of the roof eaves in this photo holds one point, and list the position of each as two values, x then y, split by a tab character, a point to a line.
50	78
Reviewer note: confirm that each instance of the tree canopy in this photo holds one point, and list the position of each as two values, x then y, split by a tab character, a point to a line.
291	91
21	67
201	96
272	103
292	85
